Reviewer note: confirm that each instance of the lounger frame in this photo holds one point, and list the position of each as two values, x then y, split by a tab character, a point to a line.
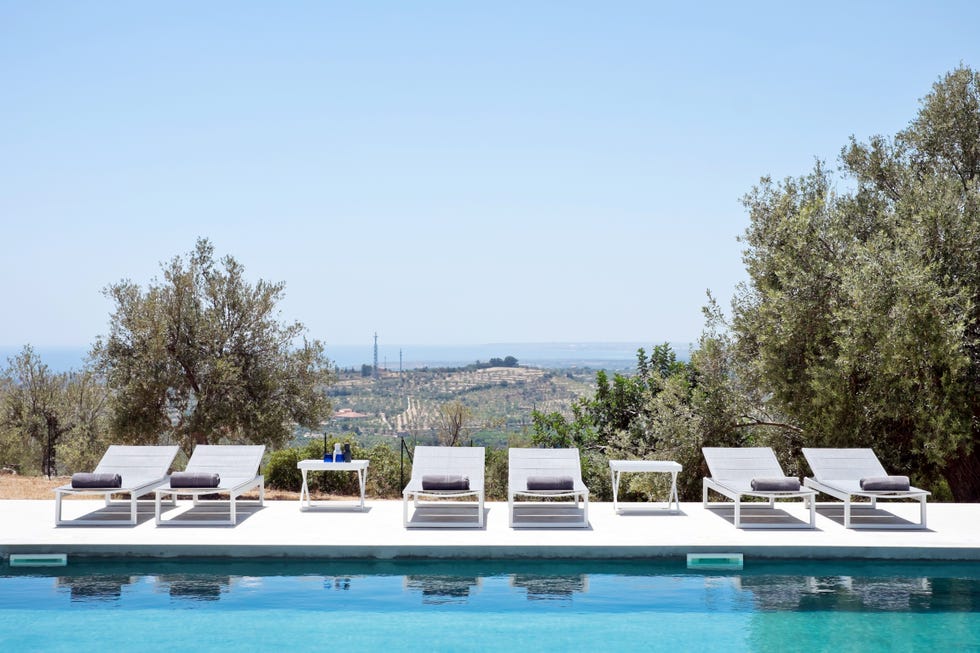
464	461
838	473
732	470
526	462
237	466
142	468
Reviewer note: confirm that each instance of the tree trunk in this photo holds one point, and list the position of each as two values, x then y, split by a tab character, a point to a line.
963	476
52	437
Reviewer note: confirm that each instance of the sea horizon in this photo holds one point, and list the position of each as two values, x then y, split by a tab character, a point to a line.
550	355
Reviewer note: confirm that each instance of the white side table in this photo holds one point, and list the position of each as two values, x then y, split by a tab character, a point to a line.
664	466
359	466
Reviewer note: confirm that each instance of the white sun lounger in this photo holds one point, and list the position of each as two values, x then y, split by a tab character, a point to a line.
732	471
838	473
142	469
446	461
238	467
527	463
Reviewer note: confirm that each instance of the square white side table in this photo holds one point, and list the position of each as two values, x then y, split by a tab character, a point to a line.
305	466
663	466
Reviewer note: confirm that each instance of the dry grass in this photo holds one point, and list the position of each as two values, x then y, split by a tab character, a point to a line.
13	486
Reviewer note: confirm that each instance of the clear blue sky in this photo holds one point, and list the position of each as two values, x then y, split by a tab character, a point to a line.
439	172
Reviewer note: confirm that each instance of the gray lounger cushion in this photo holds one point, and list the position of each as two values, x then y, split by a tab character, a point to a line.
550	483
779	484
885	483
445	482
194	479
88	480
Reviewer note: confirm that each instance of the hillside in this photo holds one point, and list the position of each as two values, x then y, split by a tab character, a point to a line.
501	399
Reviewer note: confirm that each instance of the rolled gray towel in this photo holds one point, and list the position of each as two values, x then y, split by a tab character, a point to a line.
550	483
89	480
885	483
445	482
194	479
778	484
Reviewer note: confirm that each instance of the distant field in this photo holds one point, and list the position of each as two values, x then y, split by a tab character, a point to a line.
501	400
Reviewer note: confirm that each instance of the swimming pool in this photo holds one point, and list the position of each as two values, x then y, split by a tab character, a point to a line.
222	605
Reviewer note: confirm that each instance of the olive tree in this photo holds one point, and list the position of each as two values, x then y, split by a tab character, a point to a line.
49	421
860	321
200	357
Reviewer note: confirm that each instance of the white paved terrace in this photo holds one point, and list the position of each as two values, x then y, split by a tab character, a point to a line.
280	529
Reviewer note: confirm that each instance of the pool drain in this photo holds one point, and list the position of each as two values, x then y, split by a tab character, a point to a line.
38	559
714	561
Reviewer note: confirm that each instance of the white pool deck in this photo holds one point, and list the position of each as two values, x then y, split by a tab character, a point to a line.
281	529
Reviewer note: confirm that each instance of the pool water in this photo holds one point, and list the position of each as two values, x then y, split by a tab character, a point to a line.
220	605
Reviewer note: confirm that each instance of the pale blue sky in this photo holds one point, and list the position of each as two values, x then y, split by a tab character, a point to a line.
439	172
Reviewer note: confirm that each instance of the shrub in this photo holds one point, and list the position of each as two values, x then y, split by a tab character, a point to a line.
496	474
383	472
596	475
281	472
382	476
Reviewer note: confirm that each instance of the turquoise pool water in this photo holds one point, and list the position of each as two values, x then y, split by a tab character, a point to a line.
216	605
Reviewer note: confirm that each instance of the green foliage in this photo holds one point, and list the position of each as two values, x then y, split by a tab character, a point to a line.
616	408
654	413
596	475
50	422
861	319
509	361
495	474
383	472
382	477
554	430
201	358
280	469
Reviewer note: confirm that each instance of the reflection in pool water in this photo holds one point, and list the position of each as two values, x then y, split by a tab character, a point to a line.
465	605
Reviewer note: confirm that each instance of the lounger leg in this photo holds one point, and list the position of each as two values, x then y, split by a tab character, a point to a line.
479	517
874	503
813	511
57	509
405	509
362	478
673	493
922	511
156	506
704	490
585	503
108	499
615	488
847	513
262	493
234	516
133	510
510	509
738	512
